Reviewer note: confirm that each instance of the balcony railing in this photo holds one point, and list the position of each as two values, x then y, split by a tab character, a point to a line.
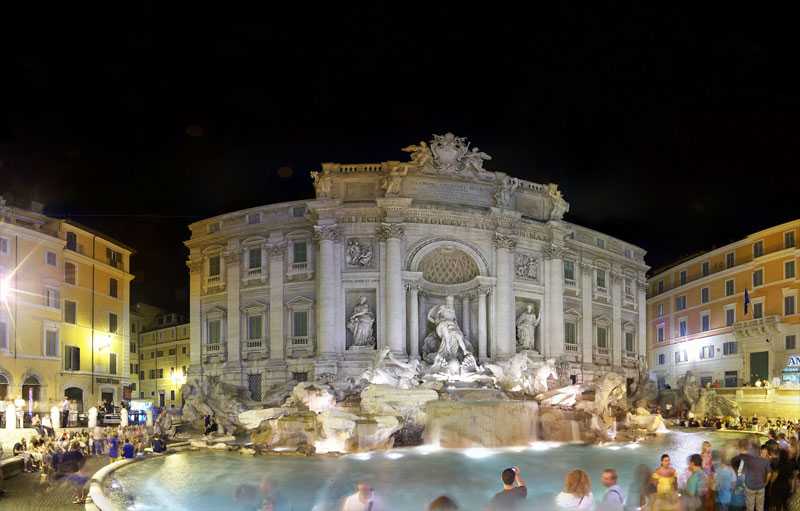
299	340
253	272
253	344
301	267
601	351
213	280
572	348
569	283
630	354
214	348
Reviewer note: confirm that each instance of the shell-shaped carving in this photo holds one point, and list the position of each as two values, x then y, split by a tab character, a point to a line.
447	265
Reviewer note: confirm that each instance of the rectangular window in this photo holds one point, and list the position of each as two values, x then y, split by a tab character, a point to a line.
3	336
172	395
707	351
161	372
758	278
705	322
600	279
72	358
72	241
731	379
254	386
112	322
254	218
3	246
628	287
682	328
660	309
629	342
730	348
300	323
730	260
51	298
51	342
254	330
662	359
133	347
213	227
159	353
602	337
758	310
152	355
299	252
152	374
570	336
682	277
730	287
298	211
791	342
730	316
680	303
569	271
70	312
660	333
183	350
114	258
141	375
660	286
171	351
677	357
600	243
789	305
788	239
298	377
50	258
758	249
705	268
705	380
69	273
112	363
214	331
113	288
213	266
254	258
704	295
788	270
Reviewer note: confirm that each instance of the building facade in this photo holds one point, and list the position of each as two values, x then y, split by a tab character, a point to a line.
64	314
297	289
697	319
163	360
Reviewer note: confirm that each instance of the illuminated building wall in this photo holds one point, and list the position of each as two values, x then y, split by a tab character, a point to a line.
64	325
696	317
164	360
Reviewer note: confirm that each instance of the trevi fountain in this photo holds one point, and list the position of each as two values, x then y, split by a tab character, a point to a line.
446	324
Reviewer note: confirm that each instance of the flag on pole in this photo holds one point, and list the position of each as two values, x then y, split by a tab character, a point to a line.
746	300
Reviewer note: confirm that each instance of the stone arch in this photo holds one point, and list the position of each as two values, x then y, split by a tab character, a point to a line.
85	395
6	383
418	253
35	380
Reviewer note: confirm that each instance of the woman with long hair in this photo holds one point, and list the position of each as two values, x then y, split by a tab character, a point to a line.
577	493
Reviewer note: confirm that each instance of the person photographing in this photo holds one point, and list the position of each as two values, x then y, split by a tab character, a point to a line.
514	491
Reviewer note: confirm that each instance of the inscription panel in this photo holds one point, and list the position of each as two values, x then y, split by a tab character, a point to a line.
429	189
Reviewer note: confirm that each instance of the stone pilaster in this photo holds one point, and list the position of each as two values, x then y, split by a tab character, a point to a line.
413	319
641	309
465	319
277	254
232	264
617	342
504	298
392	235
587	297
482	327
327	281
554	312
195	320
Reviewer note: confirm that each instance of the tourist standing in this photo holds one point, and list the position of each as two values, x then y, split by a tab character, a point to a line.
362	500
64	412
756	472
666	483
614	498
514	491
577	492
443	503
113	448
694	491
781	485
725	483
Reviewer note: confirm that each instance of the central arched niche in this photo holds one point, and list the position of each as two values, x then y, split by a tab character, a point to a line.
448	265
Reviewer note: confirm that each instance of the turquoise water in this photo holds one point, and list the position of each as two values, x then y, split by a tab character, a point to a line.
405	479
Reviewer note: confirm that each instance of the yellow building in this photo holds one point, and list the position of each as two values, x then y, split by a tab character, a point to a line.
696	312
65	310
143	316
164	358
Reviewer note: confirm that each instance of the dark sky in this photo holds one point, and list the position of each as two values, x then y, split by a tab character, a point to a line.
669	128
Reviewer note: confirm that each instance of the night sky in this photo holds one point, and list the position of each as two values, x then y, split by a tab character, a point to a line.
673	130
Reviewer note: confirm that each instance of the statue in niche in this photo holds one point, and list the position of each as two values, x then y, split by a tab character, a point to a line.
560	206
360	324
358	254
322	184
454	355
391	183
526	329
527	267
420	154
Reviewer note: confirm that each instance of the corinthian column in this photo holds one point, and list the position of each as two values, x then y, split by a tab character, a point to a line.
413	319
195	321
587	297
482	354
554	313
504	299
233	264
641	309
327	279
276	337
616	317
395	315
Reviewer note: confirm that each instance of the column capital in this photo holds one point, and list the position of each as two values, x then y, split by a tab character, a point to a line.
195	265
327	232
387	231
233	256
504	241
276	249
616	277
642	284
554	251
587	265
412	285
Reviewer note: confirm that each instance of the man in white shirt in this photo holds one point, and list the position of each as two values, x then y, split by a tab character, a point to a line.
64	412
362	500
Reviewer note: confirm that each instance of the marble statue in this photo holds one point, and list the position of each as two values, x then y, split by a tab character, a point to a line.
92	417
542	374
642	419
223	401
513	375
609	393
358	254
420	154
391	183
388	370
526	267
454	356
474	159
361	324
448	150
527	322
560	206
322	184
503	194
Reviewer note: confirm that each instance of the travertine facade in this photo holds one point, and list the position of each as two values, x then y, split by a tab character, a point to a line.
292	289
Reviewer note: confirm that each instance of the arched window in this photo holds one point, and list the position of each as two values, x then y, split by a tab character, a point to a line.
31	388
3	386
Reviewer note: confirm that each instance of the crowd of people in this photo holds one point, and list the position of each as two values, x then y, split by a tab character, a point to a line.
755	423
61	458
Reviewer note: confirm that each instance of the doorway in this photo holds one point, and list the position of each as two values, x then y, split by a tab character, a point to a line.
161	399
759	366
74	393
107	396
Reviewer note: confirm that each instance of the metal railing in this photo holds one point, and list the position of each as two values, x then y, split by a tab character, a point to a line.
254	272
253	344
214	348
299	267
571	347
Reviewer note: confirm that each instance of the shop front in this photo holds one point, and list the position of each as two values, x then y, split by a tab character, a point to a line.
791	373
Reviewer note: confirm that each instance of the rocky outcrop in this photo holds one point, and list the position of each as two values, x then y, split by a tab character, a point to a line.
643	420
313	396
711	404
461	424
252	419
222	401
407	404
